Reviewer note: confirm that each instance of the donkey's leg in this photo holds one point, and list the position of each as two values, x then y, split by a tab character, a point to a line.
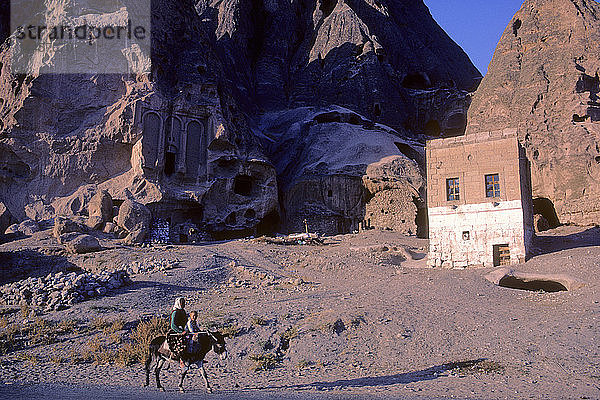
159	365
208	389
147	368
184	372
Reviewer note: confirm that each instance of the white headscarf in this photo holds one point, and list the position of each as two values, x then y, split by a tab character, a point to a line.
178	303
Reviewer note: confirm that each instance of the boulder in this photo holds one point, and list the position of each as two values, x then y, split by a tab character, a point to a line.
6	218
135	218
95	223
110	227
135	237
101	205
63	225
82	244
28	227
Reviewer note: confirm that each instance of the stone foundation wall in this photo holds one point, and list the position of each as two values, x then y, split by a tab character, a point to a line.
487	225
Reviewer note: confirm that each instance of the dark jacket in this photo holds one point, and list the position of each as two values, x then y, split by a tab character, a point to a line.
178	320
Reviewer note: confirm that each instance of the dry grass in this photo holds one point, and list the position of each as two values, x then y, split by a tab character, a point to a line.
264	361
29	357
67	326
136	348
259	321
290	333
58	359
114	326
8	338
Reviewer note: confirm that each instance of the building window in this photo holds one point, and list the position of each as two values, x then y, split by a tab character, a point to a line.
492	185
452	189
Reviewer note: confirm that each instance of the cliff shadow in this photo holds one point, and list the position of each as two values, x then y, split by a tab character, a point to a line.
547	244
23	264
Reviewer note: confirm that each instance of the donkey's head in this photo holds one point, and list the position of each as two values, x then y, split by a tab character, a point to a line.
218	344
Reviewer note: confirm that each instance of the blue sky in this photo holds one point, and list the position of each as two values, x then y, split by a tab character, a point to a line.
476	25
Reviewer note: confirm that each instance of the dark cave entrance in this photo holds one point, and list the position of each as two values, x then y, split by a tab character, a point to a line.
269	225
170	158
242	185
545	208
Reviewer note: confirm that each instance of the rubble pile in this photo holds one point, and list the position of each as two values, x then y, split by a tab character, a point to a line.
59	291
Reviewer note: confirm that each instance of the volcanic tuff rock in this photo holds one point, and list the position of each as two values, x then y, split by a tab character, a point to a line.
175	139
387	60
342	172
544	81
180	140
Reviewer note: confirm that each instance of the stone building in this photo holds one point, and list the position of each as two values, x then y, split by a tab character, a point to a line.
479	200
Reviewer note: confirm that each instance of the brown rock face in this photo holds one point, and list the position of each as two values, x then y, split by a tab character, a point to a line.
544	80
135	218
341	172
174	139
183	141
101	205
380	58
82	244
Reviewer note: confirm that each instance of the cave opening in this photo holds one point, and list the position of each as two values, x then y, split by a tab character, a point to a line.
432	128
377	110
170	158
231	219
421	219
516	26
418	81
242	185
269	225
545	207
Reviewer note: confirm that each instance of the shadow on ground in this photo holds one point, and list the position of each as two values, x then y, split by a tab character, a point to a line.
389	380
546	244
22	264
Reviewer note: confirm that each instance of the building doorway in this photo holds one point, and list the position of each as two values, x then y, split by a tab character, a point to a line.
501	255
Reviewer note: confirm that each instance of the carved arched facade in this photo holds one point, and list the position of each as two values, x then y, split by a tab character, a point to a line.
174	143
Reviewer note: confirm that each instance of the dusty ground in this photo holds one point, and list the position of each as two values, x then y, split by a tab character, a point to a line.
364	314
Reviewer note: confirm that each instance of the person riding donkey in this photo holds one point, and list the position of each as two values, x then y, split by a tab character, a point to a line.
193	329
177	338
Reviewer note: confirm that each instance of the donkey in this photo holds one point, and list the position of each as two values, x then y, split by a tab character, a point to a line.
159	353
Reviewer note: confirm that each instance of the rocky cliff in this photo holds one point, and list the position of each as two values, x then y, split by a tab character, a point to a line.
387	60
543	80
189	139
173	140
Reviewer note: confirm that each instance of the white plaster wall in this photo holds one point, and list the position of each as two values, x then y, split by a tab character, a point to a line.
487	224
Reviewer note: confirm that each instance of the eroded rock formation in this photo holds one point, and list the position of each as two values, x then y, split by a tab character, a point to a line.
173	140
387	60
341	172
183	140
544	81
